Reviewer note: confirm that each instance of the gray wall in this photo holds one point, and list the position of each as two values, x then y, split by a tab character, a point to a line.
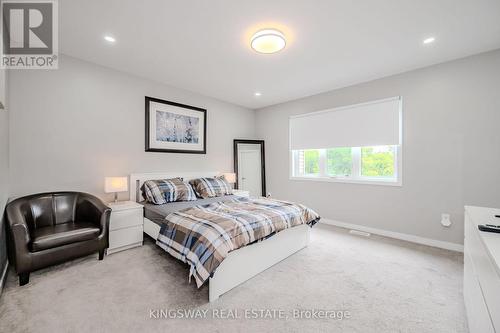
71	127
84	122
451	154
4	171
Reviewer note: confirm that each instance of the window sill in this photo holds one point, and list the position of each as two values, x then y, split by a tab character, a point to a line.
350	181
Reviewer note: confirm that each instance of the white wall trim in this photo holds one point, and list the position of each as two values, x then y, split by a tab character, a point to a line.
3	277
391	234
365	181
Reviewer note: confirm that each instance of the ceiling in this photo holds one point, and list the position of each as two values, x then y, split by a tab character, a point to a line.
203	46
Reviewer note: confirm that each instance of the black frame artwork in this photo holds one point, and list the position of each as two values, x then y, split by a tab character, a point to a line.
148	147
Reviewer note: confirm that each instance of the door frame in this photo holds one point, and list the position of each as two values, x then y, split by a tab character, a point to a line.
262	160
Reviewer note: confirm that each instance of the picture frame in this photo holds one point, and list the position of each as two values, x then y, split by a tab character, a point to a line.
172	127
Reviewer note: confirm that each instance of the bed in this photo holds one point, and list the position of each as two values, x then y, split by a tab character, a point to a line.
240	264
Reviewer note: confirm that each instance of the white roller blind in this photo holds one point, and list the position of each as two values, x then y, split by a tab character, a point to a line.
369	124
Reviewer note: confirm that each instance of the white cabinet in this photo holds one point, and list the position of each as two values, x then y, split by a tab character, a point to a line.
125	226
482	271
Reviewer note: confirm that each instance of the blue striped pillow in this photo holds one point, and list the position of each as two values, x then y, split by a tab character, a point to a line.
161	191
211	187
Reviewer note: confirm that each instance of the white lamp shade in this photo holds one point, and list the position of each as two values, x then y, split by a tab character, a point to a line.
115	184
230	177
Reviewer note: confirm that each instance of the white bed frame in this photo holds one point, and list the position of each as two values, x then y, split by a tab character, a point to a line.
242	264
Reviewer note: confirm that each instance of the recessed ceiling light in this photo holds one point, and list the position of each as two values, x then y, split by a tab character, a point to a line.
429	40
268	41
257	94
110	39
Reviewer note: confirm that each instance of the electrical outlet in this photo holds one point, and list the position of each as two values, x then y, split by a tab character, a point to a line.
445	220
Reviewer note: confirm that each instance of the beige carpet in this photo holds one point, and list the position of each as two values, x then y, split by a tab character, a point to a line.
385	285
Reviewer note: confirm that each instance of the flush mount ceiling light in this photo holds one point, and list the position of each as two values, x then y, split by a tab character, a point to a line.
110	39
429	40
268	41
257	94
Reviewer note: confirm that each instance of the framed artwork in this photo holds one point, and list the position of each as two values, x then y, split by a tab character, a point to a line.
175	128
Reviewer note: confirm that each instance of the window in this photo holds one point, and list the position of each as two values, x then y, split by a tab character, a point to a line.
378	161
311	162
359	143
356	164
339	162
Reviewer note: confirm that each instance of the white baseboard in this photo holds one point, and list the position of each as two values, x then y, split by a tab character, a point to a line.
3	276
397	235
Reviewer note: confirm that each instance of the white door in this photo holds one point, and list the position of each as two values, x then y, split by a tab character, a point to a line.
249	172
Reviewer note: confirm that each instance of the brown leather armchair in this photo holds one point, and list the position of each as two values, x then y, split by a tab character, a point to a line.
50	228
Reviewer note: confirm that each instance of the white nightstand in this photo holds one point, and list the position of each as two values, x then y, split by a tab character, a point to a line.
125	226
241	193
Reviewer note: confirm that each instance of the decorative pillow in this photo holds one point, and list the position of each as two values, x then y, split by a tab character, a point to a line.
211	187
162	191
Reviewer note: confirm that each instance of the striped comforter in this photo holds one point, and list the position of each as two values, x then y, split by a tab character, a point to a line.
203	236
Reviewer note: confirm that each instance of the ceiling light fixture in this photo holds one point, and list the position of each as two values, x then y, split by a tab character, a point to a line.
257	94
110	39
429	40
268	41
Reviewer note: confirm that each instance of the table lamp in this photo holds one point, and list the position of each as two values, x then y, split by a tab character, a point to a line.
115	185
230	178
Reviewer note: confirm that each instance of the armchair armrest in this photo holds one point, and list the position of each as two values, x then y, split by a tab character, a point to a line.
18	223
91	209
19	233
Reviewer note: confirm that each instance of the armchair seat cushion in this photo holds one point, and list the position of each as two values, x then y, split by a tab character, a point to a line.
61	234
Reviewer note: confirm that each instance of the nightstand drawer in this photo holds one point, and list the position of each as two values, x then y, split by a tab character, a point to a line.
124	237
126	218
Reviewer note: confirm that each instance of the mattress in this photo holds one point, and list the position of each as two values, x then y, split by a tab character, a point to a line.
157	213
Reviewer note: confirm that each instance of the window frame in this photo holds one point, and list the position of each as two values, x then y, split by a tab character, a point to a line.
356	170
